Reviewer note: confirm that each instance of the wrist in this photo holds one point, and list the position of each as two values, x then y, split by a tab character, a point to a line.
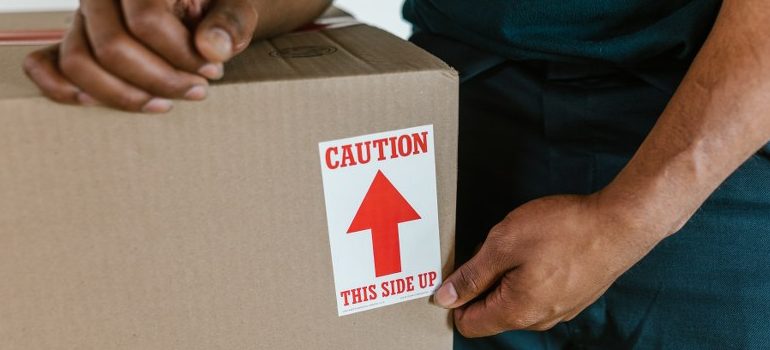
639	219
661	187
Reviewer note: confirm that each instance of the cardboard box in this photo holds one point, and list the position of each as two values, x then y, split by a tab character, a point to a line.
207	228
38	28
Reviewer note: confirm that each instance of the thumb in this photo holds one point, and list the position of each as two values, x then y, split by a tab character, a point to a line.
226	29
470	280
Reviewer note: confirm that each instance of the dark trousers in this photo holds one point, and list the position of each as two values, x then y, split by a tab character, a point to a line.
532	129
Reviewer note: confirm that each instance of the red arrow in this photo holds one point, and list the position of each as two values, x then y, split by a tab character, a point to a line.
382	209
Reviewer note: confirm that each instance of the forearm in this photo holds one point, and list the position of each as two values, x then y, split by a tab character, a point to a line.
276	17
719	116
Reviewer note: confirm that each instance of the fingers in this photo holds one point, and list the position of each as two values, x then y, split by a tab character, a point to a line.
501	310
471	279
155	24
226	29
512	306
125	58
41	67
481	318
79	66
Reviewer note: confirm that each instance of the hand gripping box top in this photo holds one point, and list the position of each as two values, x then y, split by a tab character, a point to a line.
307	203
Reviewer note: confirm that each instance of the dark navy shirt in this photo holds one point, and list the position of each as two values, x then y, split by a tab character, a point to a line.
619	31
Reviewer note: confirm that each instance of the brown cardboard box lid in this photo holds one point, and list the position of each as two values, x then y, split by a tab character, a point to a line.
356	50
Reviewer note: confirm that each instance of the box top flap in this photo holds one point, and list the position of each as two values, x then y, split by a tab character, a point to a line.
334	47
35	20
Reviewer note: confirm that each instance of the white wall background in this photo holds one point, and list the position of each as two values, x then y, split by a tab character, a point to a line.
385	14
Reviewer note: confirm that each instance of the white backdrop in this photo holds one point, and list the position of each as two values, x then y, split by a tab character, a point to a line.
382	13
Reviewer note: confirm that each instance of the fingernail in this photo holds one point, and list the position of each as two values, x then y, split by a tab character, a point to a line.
157	105
213	71
196	93
86	99
220	42
446	296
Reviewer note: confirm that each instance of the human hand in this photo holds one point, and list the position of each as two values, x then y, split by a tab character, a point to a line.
136	55
543	264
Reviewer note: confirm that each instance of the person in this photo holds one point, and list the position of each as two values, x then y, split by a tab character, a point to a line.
613	167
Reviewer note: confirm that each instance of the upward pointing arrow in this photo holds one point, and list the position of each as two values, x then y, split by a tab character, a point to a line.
382	209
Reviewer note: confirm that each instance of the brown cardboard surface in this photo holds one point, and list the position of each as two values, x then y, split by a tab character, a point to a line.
205	228
35	21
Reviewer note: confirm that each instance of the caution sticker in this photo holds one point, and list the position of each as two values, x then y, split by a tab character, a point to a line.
382	213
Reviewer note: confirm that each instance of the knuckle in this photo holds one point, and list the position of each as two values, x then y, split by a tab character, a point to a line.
501	229
31	63
463	329
520	323
111	51
504	237
508	222
144	24
508	300
467	281
70	64
233	18
521	320
240	21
